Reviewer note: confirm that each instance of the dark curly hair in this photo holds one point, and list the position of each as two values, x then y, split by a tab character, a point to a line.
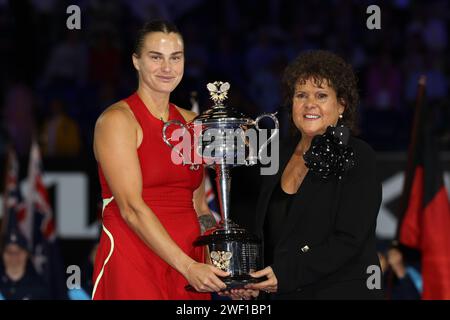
321	66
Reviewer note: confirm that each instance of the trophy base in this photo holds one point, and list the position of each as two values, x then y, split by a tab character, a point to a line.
236	282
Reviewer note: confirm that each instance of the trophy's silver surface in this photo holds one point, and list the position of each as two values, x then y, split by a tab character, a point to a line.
231	248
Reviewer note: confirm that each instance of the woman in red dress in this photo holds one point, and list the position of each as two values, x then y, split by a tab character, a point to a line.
150	204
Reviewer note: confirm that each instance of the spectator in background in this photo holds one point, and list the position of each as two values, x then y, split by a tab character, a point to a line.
227	59
265	86
431	65
61	135
383	110
402	280
197	55
105	60
18	279
18	117
260	53
428	22
384	84
67	63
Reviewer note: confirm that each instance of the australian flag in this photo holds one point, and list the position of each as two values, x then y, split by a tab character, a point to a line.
40	225
13	205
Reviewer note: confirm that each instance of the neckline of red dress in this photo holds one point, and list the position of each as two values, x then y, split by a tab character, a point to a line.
150	115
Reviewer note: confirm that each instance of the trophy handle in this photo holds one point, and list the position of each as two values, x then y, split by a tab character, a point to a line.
277	126
167	140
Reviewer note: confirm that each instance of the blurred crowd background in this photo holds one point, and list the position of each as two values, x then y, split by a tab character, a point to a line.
55	82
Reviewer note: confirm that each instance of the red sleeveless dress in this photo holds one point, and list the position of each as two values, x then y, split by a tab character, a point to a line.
125	267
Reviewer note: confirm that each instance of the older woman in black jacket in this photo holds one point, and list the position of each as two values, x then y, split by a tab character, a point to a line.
318	214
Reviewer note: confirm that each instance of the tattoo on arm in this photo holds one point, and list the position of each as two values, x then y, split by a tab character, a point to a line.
207	222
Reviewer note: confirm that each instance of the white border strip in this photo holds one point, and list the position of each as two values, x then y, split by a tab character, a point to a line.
105	203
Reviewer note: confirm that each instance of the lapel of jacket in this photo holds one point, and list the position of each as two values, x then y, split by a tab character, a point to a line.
286	150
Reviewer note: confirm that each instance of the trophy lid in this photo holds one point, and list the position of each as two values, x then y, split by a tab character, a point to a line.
221	113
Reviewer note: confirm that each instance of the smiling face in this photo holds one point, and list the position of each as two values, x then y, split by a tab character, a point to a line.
160	63
315	107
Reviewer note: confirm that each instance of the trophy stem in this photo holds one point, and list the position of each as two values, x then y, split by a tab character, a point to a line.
223	183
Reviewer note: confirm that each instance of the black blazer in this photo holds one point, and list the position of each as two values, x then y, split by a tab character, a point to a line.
328	239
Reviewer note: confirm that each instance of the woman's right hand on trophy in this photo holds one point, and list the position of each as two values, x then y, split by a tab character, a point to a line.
205	277
269	284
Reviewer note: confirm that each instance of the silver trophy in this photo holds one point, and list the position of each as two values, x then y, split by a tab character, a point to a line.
224	138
